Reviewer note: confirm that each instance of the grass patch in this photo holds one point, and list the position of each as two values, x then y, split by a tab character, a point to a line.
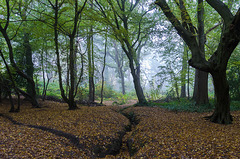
185	105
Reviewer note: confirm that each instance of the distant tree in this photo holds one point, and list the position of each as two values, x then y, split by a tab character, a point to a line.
129	25
217	64
118	57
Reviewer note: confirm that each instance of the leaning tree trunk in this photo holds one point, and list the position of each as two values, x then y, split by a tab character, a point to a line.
221	113
137	84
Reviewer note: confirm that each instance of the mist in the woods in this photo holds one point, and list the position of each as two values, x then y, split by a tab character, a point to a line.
119	79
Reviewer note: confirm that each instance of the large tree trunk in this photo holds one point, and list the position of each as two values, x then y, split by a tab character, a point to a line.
200	94
221	113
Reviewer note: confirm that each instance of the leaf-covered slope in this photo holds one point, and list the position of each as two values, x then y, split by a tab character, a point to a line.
163	133
90	132
57	132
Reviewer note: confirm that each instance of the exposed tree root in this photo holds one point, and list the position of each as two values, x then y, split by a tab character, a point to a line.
220	118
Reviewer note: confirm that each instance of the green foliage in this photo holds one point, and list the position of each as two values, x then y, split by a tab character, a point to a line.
234	84
122	98
108	91
82	94
185	105
53	89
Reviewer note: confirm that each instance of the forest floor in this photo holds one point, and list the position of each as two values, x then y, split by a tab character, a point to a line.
113	132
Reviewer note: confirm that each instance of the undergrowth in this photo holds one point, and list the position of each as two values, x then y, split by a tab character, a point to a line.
184	105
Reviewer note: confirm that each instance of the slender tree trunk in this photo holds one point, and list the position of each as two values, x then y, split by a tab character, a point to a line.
56	8
183	73
10	85
44	80
122	82
67	77
118	58
104	64
221	113
176	88
90	68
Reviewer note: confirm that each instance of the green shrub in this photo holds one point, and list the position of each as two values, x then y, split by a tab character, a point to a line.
108	91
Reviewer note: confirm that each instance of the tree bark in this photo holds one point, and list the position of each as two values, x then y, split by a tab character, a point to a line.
184	72
104	64
137	84
200	94
221	113
72	104
90	69
29	63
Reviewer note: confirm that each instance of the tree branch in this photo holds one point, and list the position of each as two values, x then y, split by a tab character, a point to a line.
222	10
175	22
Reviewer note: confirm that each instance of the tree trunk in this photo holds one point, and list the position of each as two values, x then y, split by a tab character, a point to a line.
67	77
137	84
122	82
44	81
9	85
29	63
0	90
221	113
118	58
104	64
72	104
184	72
200	94
90	67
